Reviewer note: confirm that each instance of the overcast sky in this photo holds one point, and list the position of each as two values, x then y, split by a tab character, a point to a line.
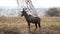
36	3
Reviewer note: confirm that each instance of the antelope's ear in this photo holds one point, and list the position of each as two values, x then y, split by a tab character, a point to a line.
21	11
25	8
26	11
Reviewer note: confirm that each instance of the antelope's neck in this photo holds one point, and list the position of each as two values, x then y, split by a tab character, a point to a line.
25	15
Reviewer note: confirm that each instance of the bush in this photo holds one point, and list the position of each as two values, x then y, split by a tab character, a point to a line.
52	12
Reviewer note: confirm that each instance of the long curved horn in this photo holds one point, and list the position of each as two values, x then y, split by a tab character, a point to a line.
23	9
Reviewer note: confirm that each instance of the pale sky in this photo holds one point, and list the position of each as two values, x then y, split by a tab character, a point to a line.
36	3
8	3
46	3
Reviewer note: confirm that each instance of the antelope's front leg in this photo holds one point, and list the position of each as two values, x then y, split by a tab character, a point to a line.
29	25
36	25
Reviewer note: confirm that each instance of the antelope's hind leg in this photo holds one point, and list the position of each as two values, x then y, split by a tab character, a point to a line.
39	25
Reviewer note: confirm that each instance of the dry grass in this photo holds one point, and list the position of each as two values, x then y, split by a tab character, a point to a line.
50	25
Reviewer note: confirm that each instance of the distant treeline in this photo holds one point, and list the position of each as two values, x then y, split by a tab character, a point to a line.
52	12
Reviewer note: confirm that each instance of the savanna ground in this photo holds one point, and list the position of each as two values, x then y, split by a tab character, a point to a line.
16	25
